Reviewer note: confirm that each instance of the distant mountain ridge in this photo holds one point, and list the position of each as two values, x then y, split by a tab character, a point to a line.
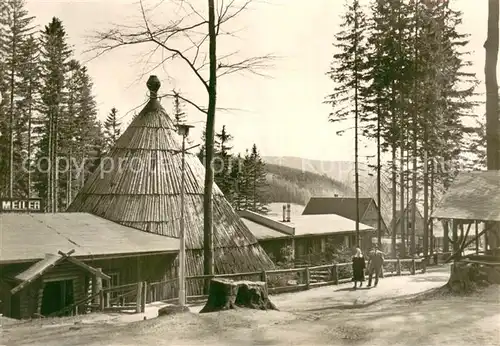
343	173
291	185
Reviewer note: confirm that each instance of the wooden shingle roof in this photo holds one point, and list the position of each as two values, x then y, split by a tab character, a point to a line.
138	185
343	206
472	196
28	237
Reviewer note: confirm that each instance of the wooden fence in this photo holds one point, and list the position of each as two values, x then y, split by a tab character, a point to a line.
279	280
135	296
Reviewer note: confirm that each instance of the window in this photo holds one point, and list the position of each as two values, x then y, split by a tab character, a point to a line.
409	224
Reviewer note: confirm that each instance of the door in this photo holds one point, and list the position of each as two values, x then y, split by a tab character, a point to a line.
56	296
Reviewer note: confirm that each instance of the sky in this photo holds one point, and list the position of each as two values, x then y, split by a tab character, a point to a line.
282	113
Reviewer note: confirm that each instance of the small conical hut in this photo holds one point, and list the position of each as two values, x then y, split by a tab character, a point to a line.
138	185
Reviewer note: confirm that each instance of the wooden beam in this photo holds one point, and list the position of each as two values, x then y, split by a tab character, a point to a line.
454	255
476	230
88	268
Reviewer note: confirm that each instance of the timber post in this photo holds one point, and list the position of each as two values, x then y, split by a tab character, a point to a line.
138	303
108	299
335	274
413	266
398	267
97	288
308	278
101	300
263	277
144	296
424	265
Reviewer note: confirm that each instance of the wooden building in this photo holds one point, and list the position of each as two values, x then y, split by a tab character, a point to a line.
139	185
307	235
346	207
39	275
419	224
471	206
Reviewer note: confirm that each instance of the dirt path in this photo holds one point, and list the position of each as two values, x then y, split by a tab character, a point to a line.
323	316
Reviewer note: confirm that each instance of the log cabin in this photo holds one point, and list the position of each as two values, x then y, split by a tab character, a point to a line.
306	235
51	261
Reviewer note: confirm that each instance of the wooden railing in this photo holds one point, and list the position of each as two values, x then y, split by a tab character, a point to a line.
280	280
135	296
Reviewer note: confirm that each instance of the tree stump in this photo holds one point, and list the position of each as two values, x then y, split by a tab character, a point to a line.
463	278
227	294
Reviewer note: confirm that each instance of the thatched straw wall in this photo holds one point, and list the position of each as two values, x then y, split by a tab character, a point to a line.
139	184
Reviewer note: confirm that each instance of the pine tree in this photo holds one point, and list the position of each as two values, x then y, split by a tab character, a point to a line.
18	23
258	182
201	152
28	94
111	129
223	162
54	59
348	71
90	135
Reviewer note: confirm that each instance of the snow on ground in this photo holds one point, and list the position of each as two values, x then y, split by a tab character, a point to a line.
331	315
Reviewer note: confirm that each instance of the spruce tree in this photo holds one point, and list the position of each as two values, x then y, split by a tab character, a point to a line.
54	56
18	24
222	162
28	101
258	182
348	71
111	129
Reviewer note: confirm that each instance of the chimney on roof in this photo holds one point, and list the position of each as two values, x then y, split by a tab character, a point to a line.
284	213
288	209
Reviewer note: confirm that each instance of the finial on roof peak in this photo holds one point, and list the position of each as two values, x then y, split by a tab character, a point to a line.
153	85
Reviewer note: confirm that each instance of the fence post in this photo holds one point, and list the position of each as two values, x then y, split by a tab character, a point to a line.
108	299
138	303
144	296
308	278
335	274
413	266
424	265
263	277
101	300
398	267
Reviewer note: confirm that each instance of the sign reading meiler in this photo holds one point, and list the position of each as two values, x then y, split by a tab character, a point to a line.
32	205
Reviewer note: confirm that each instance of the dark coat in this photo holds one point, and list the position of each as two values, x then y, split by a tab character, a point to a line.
358	266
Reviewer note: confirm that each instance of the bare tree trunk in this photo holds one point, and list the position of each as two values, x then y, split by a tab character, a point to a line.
490	70
356	149
11	116
394	203
379	216
426	205
402	195
49	164
431	228
30	116
208	258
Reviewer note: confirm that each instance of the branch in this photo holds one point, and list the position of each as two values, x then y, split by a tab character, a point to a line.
252	65
192	103
118	36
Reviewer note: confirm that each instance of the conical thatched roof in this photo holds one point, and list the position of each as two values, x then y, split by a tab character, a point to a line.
138	185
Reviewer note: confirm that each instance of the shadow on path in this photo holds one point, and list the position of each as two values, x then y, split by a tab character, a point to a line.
346	289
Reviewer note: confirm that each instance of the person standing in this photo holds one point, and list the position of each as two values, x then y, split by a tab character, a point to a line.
358	268
375	264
